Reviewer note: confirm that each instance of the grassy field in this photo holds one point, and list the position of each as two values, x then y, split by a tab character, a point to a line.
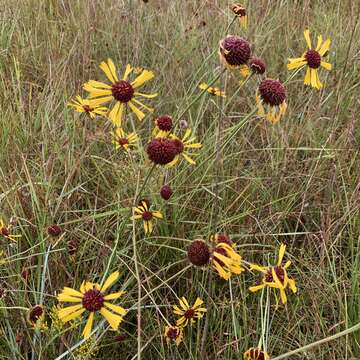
296	182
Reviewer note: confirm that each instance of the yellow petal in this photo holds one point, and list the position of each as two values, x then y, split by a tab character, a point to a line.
128	71
292	285
110	280
67	298
157	214
296	65
72	292
105	68
188	159
114	296
198	302
115	308
319	42
256	288
326	65
150	226
113	319
68	310
307	80
145	76
281	254
146	229
73	315
258	268
325	47
148	96
276	279
140	115
88	326
112	69
283	296
225	275
187	134
142	105
98	84
307	38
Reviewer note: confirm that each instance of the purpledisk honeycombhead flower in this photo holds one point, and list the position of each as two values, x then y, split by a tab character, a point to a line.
90	107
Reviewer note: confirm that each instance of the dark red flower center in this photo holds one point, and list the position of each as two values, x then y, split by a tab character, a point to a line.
147	215
189	313
313	59
166	192
179	146
198	253
35	313
164	123
161	150
122	91
123	141
257	65
235	50
4	232
223	238
272	92
280	273
93	300
54	230
87	108
239	10
172	333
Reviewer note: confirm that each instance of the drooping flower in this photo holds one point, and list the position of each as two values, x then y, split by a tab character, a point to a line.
312	59
275	276
143	212
234	52
163	126
92	299
121	91
212	90
225	259
36	317
182	147
166	192
188	314
256	354
122	140
161	151
240	12
90	107
257	66
270	100
5	231
174	333
198	253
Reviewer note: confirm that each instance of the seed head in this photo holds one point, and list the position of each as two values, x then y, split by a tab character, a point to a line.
235	50
272	92
313	59
35	313
122	91
257	65
198	253
54	230
161	151
164	123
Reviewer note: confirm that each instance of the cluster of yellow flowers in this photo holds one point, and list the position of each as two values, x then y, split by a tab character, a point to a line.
113	100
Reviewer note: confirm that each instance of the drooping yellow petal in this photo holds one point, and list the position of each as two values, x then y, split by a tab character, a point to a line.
283	296
256	287
225	275
150	226
110	280
116	308
187	134
292	285
87	329
146	229
307	38
307	80
184	303
157	214
113	319
188	159
143	105
325	47
288	263
112	69
98	84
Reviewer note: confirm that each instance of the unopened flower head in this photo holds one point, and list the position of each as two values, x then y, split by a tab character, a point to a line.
54	230
123	140
257	66
270	99
312	59
143	212
234	51
90	107
163	126
121	91
92	299
198	253
275	277
188	314
174	333
183	147
161	151
256	354
240	12
212	90
166	192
